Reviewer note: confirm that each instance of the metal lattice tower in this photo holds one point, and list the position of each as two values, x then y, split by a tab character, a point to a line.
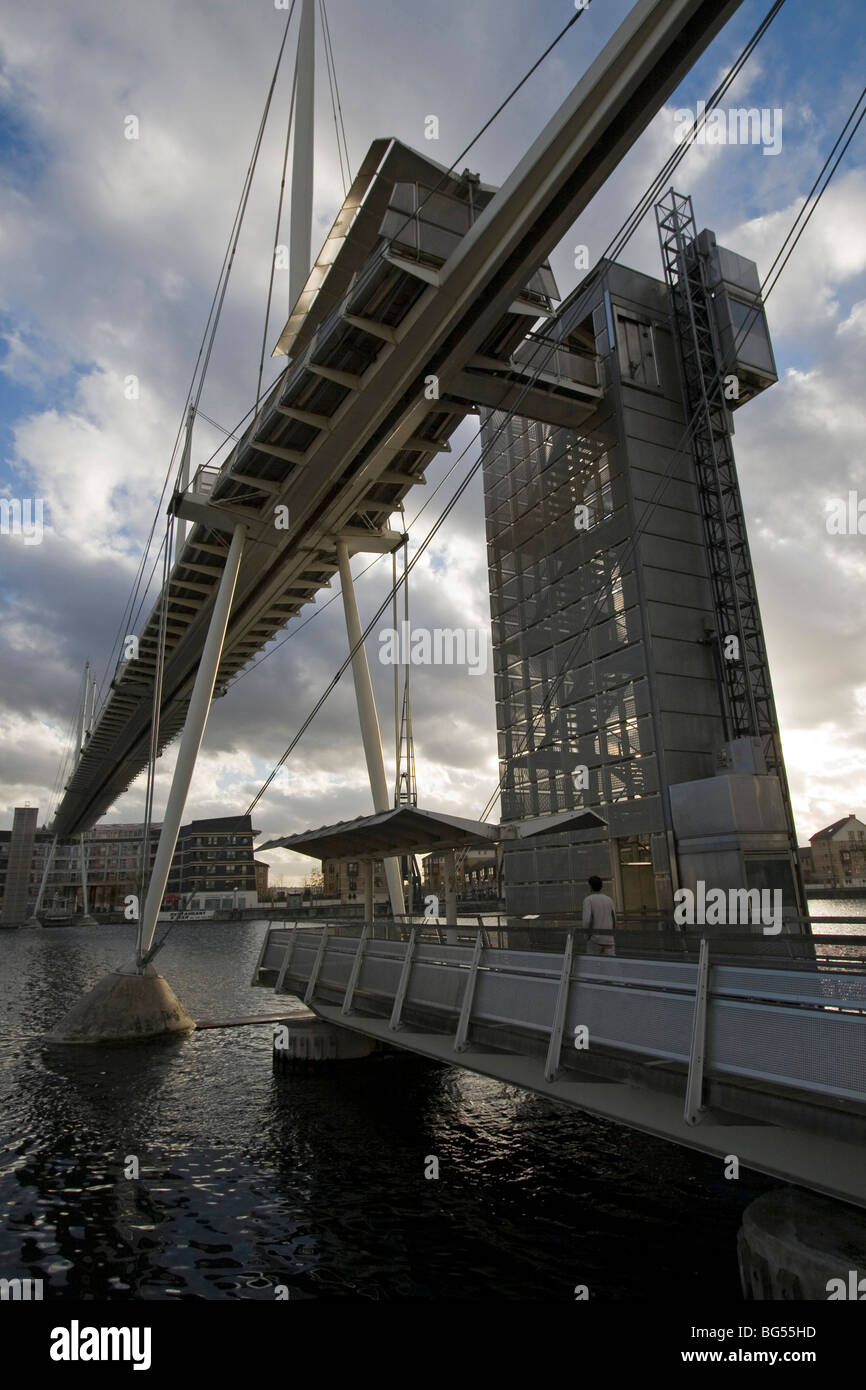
406	791
749	708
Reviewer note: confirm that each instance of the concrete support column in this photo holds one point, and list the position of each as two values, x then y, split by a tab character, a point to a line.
303	1042
85	906
799	1245
369	906
370	732
451	896
193	732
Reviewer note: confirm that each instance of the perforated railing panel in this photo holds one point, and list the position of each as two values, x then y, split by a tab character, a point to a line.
788	1028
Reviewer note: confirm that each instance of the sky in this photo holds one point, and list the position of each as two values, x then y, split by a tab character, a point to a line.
110	249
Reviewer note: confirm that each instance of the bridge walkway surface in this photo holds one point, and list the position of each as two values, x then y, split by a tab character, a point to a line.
764	1064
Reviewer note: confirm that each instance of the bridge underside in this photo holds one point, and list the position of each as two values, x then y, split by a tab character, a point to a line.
426	277
766	1065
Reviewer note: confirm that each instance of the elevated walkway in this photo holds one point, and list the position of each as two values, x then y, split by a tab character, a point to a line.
762	1064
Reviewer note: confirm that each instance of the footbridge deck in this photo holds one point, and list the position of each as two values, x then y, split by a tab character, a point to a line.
762	1063
415	313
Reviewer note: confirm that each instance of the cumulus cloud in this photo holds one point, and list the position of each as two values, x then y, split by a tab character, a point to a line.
109	251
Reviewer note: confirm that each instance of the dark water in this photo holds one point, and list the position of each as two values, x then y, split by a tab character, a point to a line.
317	1181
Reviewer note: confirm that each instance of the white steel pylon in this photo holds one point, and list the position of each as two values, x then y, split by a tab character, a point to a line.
301	212
370	732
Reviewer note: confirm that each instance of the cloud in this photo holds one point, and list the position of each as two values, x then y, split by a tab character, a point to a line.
109	253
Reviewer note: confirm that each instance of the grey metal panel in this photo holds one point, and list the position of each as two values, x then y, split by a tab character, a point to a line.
274	952
820	988
427	951
821	1052
666	587
642	1021
668	553
667	975
506	998
783	1028
436	988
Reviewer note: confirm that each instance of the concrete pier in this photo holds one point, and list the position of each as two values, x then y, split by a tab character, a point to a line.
126	1006
304	1041
794	1244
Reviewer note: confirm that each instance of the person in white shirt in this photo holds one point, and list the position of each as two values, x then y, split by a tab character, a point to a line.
599	914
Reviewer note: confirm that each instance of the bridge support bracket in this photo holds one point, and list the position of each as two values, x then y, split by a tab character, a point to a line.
285	963
555	1047
468	996
317	965
697	1053
399	997
355	974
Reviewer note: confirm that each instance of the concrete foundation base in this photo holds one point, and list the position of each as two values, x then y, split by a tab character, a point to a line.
796	1245
304	1041
124	1007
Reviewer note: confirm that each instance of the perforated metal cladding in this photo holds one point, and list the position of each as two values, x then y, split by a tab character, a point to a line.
821	1051
380	974
661	974
304	956
567	638
438	951
644	1007
337	963
436	988
502	998
814	986
272	958
633	1020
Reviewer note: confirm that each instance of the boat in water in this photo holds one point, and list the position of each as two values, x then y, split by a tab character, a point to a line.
186	915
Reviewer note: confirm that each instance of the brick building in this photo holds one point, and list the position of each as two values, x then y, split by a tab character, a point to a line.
836	856
213	866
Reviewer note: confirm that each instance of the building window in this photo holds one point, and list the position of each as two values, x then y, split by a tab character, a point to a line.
636	348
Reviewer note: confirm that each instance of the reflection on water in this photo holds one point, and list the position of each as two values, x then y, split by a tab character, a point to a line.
839	907
315	1181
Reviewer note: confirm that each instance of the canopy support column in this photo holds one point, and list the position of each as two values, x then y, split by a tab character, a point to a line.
370	732
85	905
451	896
369	907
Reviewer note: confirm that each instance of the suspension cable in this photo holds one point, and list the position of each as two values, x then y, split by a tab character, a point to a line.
289	125
614	249
620	240
332	85
766	289
206	346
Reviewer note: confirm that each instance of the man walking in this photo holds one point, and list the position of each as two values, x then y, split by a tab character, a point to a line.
599	914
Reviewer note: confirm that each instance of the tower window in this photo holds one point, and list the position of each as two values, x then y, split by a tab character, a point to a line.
637	354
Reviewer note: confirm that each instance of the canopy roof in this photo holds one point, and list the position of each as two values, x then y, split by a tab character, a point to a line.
411	830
